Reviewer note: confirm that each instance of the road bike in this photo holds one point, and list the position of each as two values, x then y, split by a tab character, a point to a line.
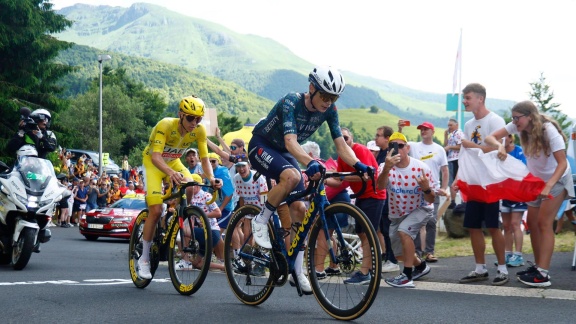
184	240
340	300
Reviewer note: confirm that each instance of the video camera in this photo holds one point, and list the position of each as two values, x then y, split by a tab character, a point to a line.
29	123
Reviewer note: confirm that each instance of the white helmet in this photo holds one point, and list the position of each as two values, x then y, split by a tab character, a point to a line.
41	114
26	150
327	79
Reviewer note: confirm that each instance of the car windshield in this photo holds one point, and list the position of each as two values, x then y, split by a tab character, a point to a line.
129	204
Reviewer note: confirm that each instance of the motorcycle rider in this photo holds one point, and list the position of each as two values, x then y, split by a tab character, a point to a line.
33	130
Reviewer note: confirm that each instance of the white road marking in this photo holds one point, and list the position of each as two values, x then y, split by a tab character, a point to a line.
493	290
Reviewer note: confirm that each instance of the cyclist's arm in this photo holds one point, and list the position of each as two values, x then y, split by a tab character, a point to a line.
292	145
345	152
159	162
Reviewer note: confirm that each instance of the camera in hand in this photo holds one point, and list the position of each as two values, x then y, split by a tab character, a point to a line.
29	123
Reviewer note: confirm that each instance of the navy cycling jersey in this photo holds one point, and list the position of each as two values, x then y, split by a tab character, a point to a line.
290	116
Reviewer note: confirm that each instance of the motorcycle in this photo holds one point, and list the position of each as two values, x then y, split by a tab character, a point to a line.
28	195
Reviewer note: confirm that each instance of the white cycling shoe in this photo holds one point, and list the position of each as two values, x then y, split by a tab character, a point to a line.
260	233
304	284
144	270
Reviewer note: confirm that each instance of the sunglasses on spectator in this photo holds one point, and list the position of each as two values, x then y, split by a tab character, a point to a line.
326	97
233	147
400	146
213	161
191	118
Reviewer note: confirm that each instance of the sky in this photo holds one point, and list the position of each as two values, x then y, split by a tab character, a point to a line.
506	45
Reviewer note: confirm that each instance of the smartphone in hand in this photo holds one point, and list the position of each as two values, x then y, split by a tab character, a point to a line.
394	148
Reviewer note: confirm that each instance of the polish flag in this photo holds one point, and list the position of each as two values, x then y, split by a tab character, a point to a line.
485	178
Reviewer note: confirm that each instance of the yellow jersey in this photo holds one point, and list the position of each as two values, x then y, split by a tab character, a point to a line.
166	139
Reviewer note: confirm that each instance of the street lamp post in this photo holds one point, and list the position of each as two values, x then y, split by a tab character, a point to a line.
101	58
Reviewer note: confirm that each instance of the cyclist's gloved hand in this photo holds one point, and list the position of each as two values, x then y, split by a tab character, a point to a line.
314	167
361	167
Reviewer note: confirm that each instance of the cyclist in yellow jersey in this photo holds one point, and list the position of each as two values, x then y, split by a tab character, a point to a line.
161	158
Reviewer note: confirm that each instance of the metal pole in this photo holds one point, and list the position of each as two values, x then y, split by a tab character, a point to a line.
100	122
101	58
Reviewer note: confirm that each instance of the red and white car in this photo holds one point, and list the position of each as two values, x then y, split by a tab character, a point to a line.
116	221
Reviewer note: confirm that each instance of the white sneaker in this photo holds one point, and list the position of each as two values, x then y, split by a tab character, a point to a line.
184	265
260	232
144	270
390	267
304	284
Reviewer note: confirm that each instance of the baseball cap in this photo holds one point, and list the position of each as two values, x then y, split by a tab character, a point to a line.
372	146
398	136
191	150
425	125
238	142
241	163
214	156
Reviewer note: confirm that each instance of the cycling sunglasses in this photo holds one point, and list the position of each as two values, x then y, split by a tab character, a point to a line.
325	96
191	118
233	147
400	146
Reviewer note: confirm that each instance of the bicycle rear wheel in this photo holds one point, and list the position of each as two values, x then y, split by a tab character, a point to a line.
135	251
250	282
189	251
344	301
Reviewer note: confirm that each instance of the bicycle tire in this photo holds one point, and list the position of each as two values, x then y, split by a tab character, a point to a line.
339	300
260	287
135	251
188	278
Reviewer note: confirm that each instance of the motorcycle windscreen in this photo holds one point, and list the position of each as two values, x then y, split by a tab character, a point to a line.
35	172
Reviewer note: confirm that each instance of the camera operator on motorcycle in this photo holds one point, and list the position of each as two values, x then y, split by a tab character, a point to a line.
33	130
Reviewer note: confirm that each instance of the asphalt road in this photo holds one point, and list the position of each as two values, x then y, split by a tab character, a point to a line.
76	281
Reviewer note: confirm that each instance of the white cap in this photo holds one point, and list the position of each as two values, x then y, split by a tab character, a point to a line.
372	146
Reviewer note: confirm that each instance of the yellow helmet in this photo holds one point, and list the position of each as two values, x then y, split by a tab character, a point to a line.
192	105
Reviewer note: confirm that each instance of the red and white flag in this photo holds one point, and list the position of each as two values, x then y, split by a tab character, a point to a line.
485	178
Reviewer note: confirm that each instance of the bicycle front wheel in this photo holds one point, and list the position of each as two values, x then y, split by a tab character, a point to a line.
135	251
251	282
189	250
343	299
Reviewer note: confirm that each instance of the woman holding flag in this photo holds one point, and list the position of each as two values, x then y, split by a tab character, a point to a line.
544	146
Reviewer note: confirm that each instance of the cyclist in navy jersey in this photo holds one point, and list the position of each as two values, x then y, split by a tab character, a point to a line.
275	150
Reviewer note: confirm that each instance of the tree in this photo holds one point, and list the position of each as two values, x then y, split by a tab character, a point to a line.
543	96
374	109
28	73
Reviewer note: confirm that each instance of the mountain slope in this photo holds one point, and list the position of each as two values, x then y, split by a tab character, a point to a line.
258	64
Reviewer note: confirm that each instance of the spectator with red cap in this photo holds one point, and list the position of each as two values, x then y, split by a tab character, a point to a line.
435	157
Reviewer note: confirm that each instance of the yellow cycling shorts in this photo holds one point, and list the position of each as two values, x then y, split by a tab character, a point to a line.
154	177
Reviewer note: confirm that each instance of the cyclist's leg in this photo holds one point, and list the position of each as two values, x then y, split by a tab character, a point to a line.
153	188
281	167
284	169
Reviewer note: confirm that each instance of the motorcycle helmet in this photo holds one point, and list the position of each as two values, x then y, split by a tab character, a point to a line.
327	79
26	150
41	114
192	105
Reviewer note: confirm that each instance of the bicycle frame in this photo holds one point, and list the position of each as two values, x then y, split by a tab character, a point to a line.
317	206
